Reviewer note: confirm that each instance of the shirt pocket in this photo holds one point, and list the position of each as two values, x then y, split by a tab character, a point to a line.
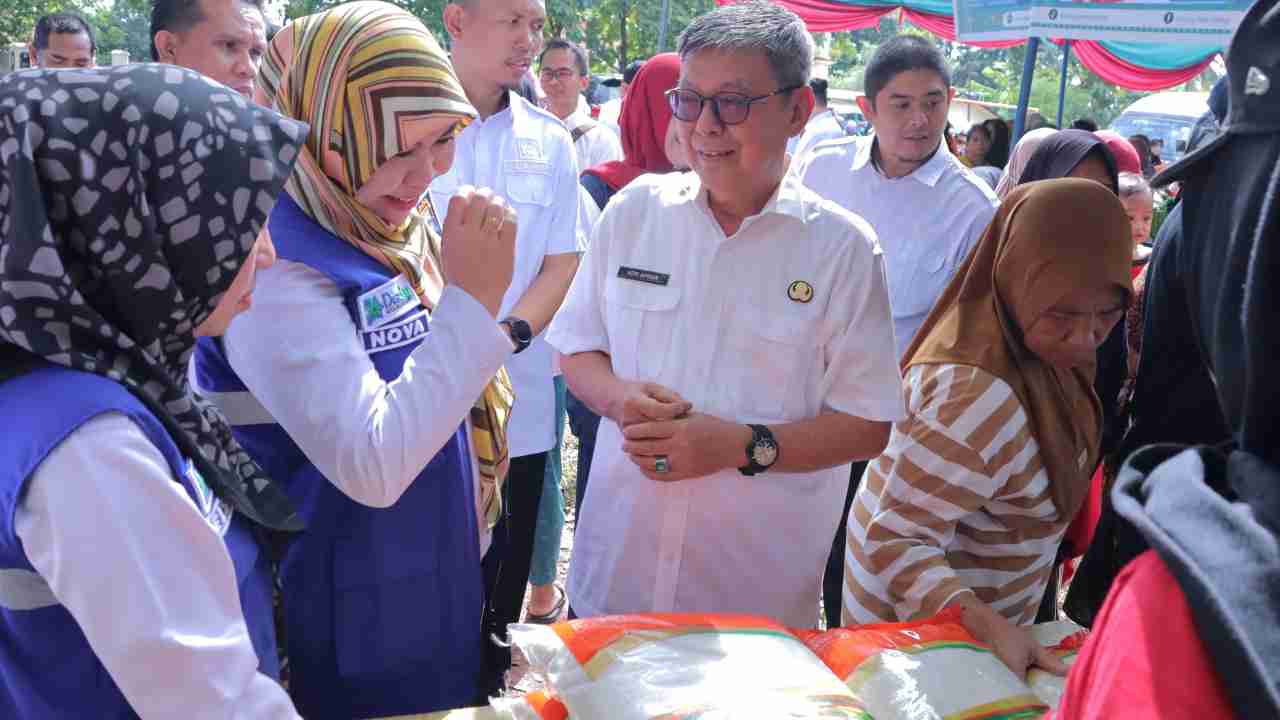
774	354
641	326
928	279
528	184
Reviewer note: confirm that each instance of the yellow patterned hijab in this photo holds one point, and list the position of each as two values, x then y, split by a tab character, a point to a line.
358	74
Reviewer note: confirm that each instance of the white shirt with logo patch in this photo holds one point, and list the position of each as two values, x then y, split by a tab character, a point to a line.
524	154
724	322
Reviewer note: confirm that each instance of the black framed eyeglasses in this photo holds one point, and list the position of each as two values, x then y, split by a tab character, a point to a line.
730	108
562	74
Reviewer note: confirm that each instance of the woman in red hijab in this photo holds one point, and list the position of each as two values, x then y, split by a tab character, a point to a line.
648	146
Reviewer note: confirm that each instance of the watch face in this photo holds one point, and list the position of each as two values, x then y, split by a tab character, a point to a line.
764	453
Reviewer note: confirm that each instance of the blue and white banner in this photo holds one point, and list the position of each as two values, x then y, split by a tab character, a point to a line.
1149	21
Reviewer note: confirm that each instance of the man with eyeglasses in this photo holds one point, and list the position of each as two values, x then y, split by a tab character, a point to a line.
926	207
564	75
733	329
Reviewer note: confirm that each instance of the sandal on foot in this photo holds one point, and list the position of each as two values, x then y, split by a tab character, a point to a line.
552	616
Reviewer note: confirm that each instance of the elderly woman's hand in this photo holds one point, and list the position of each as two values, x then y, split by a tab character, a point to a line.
1014	645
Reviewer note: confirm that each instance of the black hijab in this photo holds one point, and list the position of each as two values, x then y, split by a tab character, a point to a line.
1212	514
129	198
998	153
1062	151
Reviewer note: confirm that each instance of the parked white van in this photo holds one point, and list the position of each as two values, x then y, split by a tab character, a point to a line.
1167	116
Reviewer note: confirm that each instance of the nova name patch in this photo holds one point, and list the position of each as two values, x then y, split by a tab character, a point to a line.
644	276
408	331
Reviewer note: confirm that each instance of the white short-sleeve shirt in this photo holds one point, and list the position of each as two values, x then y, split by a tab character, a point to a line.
524	154
926	221
821	127
783	320
596	146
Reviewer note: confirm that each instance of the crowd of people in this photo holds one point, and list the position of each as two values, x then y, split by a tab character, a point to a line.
292	323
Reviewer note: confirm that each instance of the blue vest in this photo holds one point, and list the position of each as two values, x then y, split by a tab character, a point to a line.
382	606
47	669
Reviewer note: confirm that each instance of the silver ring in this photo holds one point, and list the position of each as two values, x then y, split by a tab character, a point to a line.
661	464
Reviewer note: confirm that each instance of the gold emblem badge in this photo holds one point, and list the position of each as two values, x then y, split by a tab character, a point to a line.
800	291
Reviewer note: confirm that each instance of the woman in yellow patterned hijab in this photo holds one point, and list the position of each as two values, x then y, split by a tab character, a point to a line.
398	81
353	374
397	78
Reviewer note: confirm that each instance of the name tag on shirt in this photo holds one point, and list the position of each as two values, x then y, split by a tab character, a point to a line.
645	276
388	337
216	511
386	303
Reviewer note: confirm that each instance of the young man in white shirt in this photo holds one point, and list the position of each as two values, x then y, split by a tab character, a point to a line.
733	329
564	75
526	156
823	124
927	209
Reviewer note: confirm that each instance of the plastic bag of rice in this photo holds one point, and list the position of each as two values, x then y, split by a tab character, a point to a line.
1064	639
537	705
682	666
925	670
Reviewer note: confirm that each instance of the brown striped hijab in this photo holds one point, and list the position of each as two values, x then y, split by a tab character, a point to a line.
1047	239
359	74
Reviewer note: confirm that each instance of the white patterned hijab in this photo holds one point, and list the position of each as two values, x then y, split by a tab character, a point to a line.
129	198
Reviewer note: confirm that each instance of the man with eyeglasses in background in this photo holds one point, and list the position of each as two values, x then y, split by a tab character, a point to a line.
733	329
564	75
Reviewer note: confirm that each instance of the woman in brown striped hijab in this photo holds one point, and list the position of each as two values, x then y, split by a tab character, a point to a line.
970	500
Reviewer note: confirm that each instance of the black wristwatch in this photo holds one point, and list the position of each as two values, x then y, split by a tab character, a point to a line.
520	332
762	451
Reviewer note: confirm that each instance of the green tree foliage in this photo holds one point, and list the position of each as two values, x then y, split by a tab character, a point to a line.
123	25
18	17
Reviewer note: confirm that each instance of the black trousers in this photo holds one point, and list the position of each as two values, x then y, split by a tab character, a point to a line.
833	578
506	565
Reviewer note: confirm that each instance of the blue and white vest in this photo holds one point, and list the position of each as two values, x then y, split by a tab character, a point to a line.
47	669
382	606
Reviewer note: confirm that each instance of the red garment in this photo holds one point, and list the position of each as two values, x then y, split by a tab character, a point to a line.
643	122
1126	154
1144	660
